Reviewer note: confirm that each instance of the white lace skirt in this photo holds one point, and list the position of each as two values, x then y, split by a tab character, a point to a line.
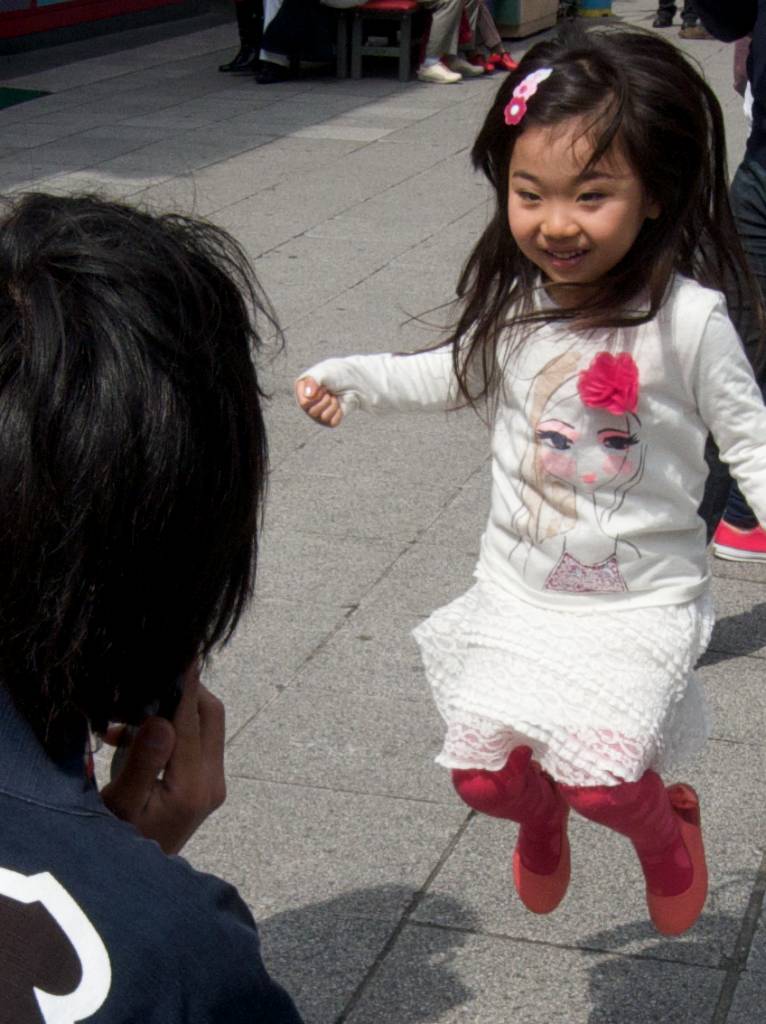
599	696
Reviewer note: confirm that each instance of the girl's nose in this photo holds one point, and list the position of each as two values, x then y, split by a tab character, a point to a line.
559	224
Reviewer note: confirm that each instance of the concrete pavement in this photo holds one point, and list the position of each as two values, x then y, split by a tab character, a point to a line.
380	898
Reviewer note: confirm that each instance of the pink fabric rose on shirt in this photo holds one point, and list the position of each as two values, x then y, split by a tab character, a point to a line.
611	383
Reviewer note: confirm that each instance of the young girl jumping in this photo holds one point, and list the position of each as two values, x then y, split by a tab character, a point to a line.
592	329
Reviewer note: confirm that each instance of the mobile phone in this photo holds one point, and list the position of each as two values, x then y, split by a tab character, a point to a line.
165	706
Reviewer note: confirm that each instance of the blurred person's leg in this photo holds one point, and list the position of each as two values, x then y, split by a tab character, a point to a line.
442	39
454	59
249	15
295	32
691	26
722	496
271	9
666	11
487	35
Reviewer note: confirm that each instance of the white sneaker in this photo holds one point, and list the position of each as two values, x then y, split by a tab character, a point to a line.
437	74
463	67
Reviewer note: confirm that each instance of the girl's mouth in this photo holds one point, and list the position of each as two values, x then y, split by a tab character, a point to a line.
570	258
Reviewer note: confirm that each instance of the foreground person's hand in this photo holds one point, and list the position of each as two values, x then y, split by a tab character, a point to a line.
189	754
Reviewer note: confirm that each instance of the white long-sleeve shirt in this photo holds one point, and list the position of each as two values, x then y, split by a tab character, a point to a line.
590	507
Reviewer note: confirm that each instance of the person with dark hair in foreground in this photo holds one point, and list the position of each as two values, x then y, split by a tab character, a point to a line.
133	461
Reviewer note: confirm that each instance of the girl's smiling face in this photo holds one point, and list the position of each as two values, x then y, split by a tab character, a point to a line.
587	449
572	223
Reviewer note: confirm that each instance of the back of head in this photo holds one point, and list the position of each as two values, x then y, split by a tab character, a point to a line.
132	454
636	91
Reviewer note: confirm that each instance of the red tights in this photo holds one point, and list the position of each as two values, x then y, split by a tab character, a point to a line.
519	792
640	810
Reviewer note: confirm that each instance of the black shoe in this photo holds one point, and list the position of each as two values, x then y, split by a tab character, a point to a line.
246	60
662	20
271	73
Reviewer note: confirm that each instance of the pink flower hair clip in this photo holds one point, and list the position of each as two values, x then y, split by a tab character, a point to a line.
516	107
611	383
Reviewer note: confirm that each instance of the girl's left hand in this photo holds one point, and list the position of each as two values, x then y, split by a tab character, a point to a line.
189	753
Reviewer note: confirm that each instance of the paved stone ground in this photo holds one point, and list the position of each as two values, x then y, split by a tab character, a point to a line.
380	898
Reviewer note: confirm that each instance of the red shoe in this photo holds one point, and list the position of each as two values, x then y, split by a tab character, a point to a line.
502	62
542	893
672	915
737	545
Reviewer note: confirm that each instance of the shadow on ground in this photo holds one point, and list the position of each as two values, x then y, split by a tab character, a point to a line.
737	635
659	985
322	952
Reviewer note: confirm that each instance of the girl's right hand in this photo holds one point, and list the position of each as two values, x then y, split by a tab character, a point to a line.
317	402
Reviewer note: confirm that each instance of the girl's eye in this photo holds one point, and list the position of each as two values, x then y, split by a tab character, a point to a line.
619	442
554	439
592	197
528	197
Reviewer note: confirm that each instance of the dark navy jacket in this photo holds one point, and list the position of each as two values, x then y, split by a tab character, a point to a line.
97	924
734	19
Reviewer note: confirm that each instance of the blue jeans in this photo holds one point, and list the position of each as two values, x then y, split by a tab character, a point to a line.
748	200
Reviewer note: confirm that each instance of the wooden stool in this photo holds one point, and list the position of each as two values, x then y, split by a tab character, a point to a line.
400	11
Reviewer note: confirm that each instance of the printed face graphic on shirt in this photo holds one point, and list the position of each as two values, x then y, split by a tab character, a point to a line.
53	964
588	449
580	463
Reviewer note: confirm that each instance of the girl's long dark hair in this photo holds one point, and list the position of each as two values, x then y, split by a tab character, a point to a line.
633	89
133	455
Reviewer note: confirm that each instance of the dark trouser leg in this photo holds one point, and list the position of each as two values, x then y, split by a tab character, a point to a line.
666	10
249	22
249	26
689	14
748	200
301	29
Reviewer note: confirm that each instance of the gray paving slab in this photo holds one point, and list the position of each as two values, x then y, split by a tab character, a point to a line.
283	845
306	272
360	744
348	502
223	185
741	610
749	1001
736	692
375	657
295	567
264	657
300	857
455	977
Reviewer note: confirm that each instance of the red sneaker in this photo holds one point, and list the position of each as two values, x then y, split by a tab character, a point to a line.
502	62
737	545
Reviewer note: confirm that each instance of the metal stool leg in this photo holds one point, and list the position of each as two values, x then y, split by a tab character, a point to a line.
356	46
405	48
